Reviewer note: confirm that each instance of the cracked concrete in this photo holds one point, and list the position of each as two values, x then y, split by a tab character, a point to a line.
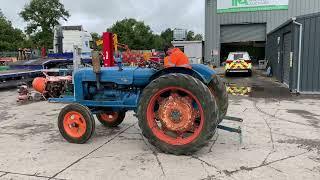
155	153
280	140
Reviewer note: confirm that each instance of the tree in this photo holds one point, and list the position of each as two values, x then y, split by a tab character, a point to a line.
198	37
192	37
10	38
133	33
167	36
95	37
138	35
42	16
158	43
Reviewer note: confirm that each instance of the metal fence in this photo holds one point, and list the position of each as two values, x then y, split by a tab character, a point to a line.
8	54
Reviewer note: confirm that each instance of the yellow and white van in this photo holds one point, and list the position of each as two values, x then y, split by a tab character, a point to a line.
238	62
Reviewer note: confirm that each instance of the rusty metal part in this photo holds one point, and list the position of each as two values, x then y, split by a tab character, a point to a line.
51	86
176	113
24	94
39	84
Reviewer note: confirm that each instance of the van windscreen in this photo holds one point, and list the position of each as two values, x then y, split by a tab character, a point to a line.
238	56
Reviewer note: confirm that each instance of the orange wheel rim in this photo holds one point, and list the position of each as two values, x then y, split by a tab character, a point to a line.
175	116
109	117
74	124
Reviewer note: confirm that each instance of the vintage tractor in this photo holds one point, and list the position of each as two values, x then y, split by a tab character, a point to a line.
178	109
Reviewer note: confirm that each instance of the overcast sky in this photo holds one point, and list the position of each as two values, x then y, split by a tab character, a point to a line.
97	15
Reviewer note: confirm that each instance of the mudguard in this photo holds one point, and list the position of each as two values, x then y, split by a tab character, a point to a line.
199	71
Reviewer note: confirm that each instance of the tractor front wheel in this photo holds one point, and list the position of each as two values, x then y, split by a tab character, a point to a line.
111	119
177	114
76	123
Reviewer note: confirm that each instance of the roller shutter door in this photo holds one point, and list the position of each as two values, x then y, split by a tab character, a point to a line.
286	58
243	33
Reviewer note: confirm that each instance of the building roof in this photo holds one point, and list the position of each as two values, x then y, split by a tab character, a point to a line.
186	42
297	19
73	28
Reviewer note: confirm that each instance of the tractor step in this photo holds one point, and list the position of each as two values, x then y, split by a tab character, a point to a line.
229	118
230	129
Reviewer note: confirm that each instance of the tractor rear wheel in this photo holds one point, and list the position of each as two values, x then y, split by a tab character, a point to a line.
177	114
76	123
219	91
111	119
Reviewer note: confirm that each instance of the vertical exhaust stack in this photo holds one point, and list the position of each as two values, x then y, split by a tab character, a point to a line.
96	67
58	35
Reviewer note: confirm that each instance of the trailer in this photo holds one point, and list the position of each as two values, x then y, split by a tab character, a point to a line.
25	71
12	78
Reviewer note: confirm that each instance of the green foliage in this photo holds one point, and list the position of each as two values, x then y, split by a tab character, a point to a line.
138	35
198	37
10	38
159	42
134	33
191	36
167	36
42	16
95	37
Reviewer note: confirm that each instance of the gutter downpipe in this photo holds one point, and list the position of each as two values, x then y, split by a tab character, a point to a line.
300	51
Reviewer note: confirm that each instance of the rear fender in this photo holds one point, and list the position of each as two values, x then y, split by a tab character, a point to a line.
199	71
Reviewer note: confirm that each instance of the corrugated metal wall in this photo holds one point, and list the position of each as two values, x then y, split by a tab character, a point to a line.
287	50
213	21
275	51
243	33
310	56
310	66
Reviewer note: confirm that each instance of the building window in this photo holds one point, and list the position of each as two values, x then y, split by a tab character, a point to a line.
181	48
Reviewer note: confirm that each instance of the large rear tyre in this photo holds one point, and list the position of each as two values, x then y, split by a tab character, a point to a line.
219	91
76	123
111	119
177	114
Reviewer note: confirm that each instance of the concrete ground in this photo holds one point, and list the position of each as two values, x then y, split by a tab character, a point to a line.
280	140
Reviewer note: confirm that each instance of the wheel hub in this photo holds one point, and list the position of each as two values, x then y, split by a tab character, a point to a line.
110	116
176	113
74	124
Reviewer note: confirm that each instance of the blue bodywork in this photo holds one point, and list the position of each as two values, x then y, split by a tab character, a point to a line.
121	90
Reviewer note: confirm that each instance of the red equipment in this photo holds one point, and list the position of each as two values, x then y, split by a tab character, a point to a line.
43	52
108	49
110	46
51	86
24	94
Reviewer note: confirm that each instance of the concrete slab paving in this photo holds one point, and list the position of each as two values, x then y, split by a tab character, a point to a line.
2	174
280	140
22	177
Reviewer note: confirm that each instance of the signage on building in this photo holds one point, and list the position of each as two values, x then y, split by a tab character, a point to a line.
225	6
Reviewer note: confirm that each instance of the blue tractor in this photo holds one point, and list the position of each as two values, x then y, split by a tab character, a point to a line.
179	109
